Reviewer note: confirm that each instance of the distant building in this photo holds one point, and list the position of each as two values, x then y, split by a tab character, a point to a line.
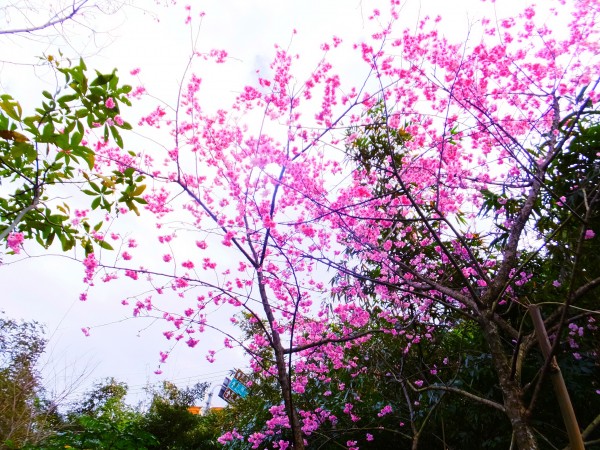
198	409
195	409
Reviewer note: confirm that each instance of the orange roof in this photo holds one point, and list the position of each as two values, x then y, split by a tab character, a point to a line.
198	409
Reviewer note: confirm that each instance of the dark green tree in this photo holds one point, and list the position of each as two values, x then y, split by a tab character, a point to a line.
25	415
173	425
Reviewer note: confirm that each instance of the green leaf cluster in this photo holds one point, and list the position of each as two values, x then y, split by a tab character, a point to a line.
49	148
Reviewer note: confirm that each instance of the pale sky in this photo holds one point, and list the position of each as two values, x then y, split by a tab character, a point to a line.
47	288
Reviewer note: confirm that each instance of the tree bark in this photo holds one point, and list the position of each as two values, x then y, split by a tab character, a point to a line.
282	373
515	409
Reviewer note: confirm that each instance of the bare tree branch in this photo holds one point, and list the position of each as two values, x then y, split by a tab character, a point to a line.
456	390
59	18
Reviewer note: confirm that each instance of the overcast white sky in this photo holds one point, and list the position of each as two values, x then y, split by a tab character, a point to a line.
47	288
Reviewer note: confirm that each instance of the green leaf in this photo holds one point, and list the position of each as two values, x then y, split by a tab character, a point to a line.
57	218
116	136
95	187
48	132
62	141
96	202
69	128
81	113
66	99
105	245
76	139
138	190
90	159
66	244
102	79
11	108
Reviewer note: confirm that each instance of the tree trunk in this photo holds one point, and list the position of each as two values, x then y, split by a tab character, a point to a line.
282	373
515	409
286	392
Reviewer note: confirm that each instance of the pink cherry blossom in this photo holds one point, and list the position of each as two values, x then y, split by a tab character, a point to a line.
14	242
274	207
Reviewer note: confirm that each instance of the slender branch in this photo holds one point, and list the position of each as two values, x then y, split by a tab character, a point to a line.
20	216
456	390
591	427
56	20
582	290
319	343
558	382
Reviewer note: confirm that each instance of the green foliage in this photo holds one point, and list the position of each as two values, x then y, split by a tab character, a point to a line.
49	148
102	421
102	433
174	427
379	147
572	207
24	414
107	397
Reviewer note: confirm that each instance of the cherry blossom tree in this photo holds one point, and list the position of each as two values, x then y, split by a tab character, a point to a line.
436	186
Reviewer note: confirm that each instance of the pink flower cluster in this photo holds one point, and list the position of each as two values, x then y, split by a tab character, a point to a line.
230	436
384	411
90	263
14	242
